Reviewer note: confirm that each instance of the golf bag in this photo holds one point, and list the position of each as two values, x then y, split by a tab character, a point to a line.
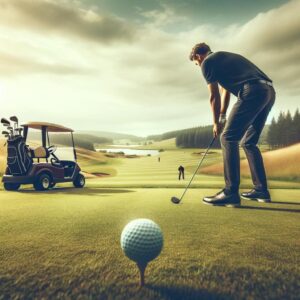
18	160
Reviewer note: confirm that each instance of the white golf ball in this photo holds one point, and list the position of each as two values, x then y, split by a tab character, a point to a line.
142	240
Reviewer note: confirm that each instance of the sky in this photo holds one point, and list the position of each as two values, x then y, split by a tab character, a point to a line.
123	66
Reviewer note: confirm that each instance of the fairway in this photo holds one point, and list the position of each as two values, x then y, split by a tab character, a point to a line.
65	244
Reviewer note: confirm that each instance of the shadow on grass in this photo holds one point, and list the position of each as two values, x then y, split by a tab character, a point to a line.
74	191
287	203
269	208
183	292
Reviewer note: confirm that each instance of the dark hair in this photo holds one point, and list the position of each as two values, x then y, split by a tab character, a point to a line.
200	49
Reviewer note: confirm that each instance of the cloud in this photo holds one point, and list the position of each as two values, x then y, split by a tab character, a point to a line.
11	65
146	82
164	15
66	18
272	39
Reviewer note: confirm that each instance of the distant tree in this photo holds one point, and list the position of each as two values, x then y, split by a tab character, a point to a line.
272	134
285	131
295	130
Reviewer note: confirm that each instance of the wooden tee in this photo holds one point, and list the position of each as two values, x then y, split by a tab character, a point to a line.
142	268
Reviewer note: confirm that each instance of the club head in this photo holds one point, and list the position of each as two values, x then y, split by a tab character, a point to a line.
5	132
175	200
19	130
10	128
14	119
5	121
6	135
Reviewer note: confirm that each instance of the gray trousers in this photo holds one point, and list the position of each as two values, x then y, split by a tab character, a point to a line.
245	124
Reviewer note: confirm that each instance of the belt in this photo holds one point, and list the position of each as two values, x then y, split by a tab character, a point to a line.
269	83
252	82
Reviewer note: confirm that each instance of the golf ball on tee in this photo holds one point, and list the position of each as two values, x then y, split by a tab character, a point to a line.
142	240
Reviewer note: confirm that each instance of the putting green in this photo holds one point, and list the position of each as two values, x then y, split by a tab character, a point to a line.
65	244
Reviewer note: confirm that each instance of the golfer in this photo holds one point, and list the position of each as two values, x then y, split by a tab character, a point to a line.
236	75
181	172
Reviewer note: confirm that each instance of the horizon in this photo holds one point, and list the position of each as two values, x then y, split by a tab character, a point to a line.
103	71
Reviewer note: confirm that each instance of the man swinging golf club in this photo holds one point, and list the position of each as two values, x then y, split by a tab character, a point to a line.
255	98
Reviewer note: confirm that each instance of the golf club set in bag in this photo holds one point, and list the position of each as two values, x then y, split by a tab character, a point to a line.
18	158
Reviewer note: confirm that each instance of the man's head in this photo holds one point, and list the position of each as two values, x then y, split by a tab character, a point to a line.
199	52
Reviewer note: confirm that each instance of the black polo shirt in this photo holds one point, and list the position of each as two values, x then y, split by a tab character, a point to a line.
230	70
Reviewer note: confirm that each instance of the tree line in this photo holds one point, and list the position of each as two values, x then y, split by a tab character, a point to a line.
85	141
198	137
285	130
166	135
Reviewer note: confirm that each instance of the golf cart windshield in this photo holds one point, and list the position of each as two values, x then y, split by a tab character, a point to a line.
64	145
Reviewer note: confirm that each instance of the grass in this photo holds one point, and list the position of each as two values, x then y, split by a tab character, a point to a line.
147	172
65	243
280	164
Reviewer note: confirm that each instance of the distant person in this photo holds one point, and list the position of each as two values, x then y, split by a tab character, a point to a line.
158	159
181	172
254	89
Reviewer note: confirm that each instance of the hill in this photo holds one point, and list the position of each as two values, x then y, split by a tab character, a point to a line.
280	163
165	145
113	135
197	137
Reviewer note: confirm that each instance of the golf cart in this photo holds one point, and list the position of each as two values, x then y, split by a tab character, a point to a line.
41	166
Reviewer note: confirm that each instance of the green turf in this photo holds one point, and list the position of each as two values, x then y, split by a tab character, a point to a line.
65	244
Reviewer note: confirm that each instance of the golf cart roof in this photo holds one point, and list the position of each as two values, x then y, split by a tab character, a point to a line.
50	127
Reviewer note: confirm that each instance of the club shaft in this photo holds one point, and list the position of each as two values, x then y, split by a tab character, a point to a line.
199	165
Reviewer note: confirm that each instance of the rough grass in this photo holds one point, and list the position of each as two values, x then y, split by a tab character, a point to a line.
65	244
282	164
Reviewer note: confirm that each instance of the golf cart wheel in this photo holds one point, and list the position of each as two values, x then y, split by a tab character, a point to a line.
43	182
11	186
79	181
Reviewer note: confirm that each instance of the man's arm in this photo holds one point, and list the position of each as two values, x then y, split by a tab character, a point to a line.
225	100
215	103
215	100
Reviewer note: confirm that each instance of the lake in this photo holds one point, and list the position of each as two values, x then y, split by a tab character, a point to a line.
128	151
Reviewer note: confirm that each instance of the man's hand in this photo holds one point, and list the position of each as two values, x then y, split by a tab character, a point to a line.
219	126
222	120
217	129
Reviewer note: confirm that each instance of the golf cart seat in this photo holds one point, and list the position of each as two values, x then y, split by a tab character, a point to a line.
40	152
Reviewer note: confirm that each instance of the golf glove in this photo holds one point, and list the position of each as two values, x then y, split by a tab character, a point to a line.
222	120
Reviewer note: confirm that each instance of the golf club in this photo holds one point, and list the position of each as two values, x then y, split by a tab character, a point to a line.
8	137
16	122
5	122
19	131
176	200
11	131
5	132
